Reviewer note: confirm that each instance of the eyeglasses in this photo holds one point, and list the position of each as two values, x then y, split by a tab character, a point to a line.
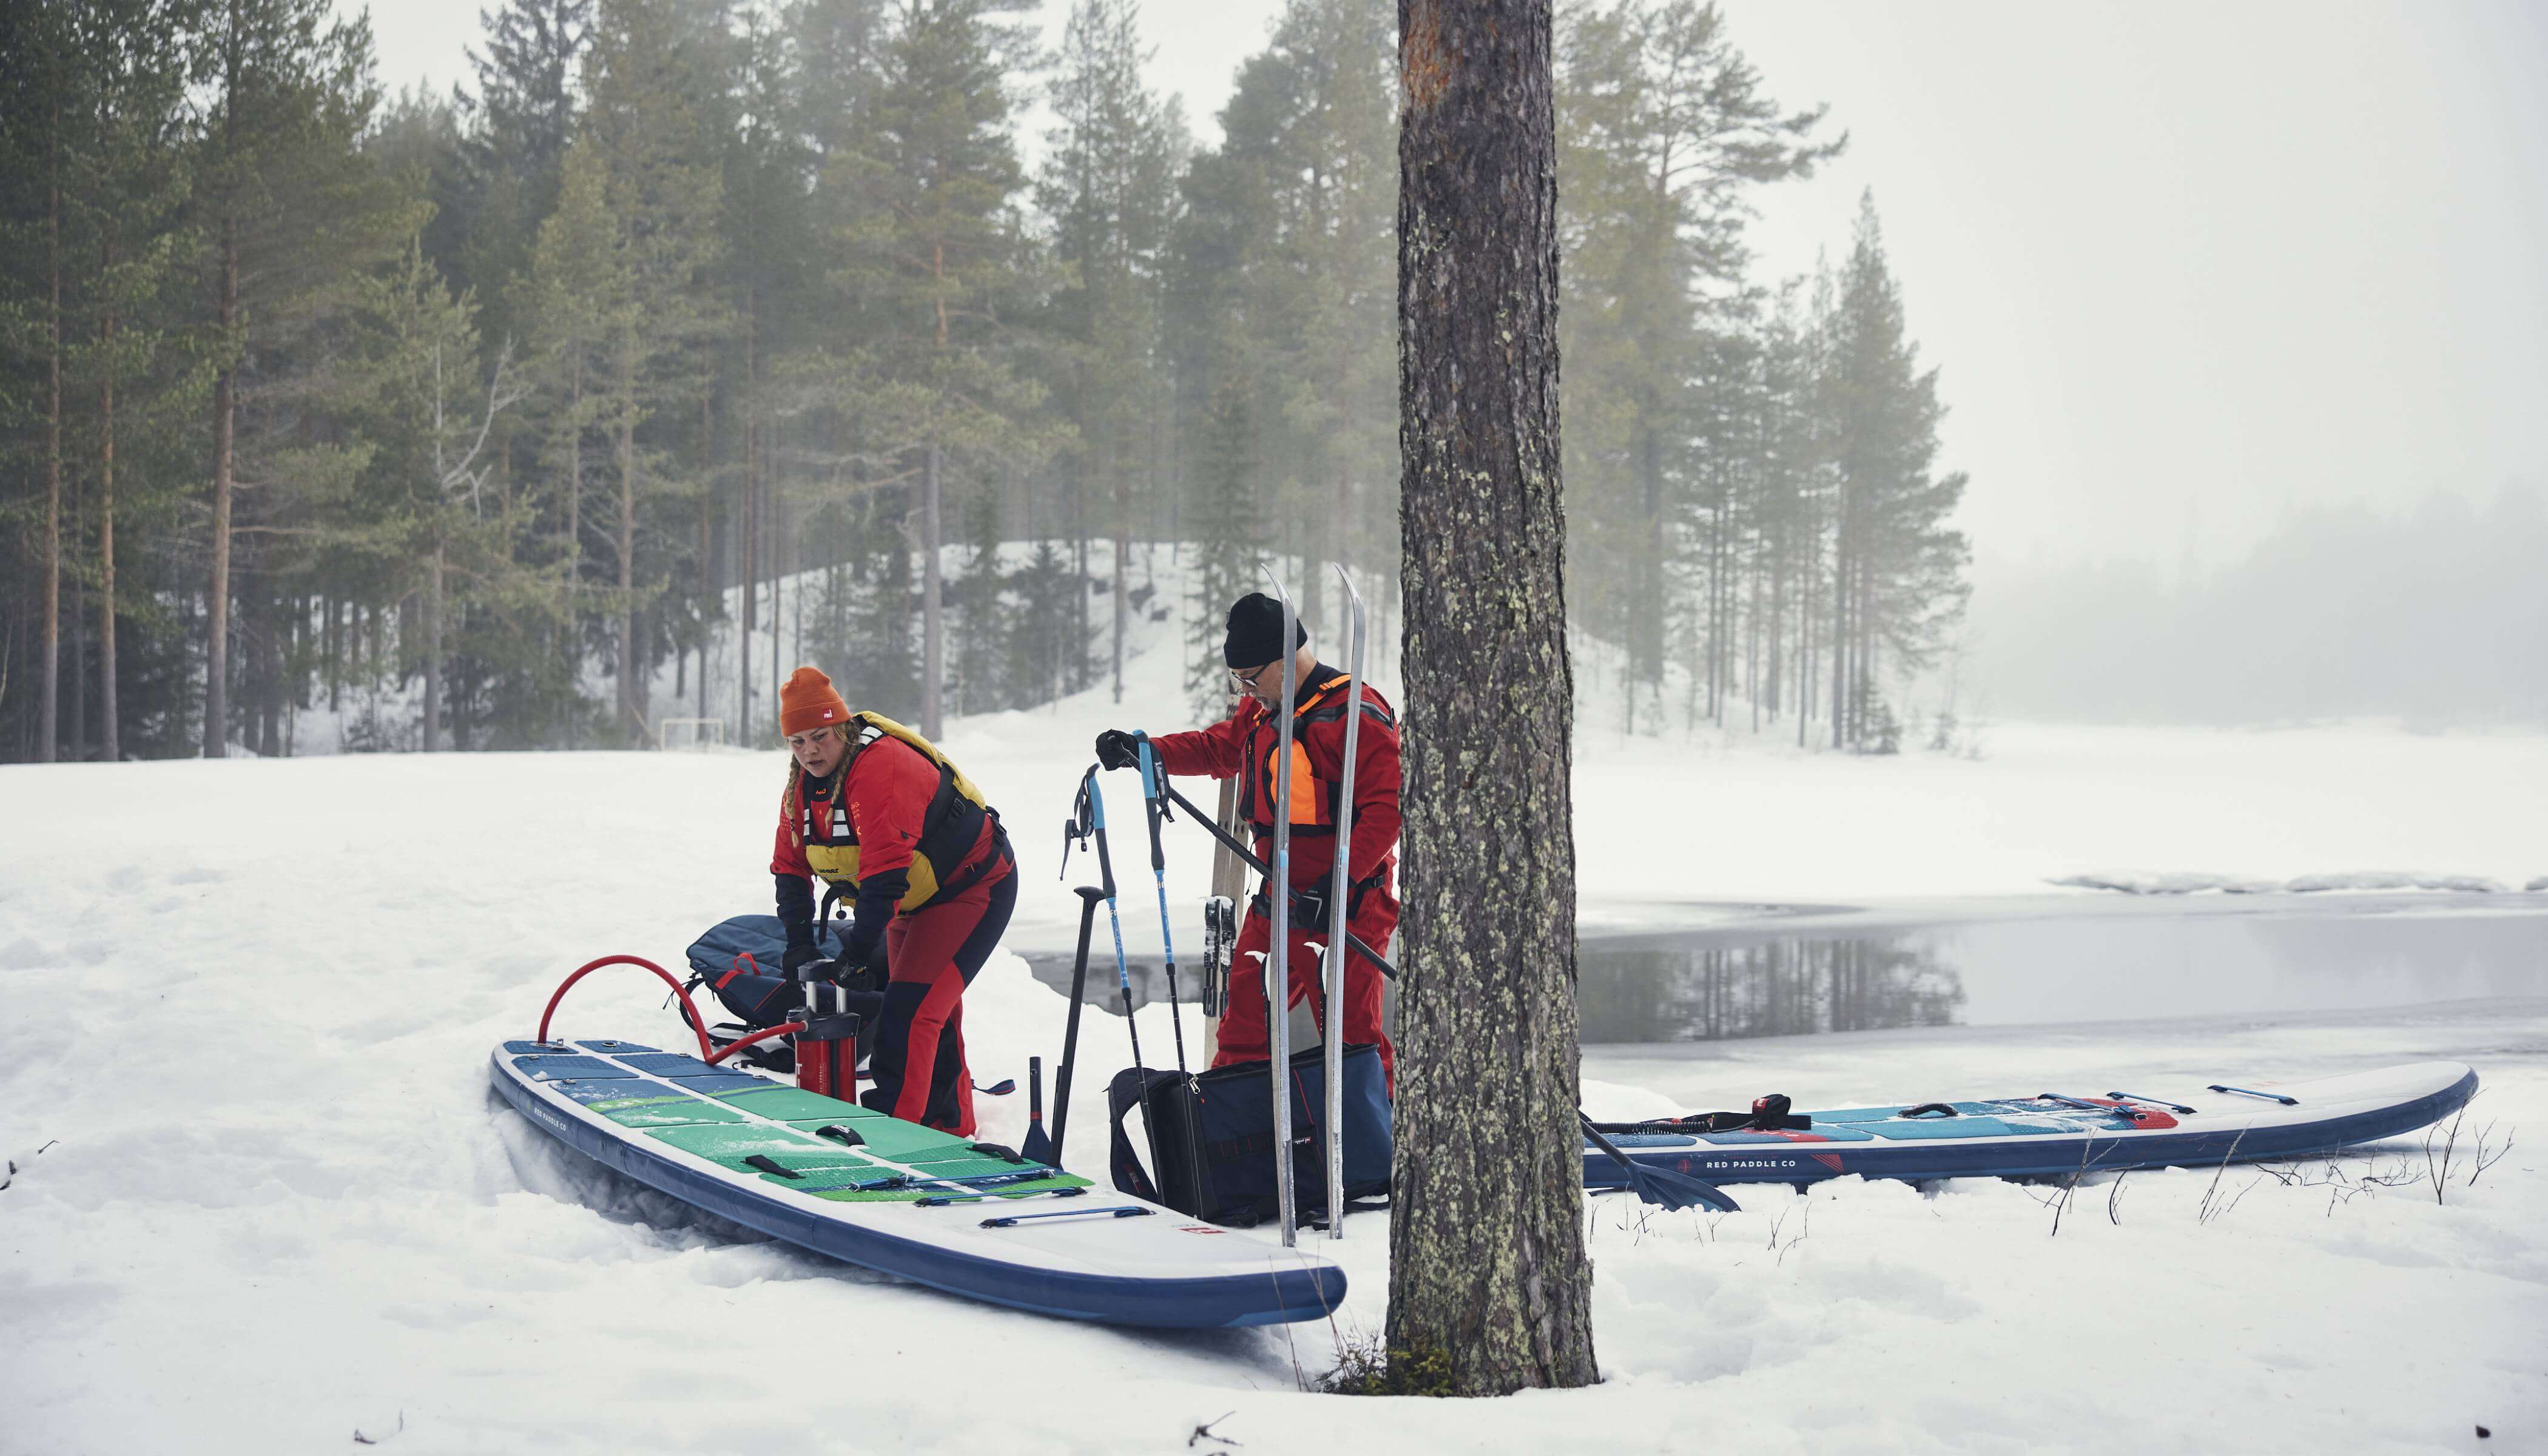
810	738
1246	682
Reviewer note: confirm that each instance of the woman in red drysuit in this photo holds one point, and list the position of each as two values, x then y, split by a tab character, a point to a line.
874	805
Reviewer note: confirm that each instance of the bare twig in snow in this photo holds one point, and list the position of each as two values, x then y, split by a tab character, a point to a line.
2437	1165
2488	1158
2212	1207
1203	1432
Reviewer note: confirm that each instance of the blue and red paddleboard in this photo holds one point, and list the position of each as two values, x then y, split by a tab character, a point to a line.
2058	1133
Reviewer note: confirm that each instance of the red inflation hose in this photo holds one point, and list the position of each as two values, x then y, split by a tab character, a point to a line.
689	1011
781	1030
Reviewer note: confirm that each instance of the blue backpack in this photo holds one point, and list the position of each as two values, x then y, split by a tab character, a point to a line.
740	959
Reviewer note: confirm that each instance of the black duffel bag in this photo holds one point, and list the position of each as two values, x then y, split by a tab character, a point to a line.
1215	1137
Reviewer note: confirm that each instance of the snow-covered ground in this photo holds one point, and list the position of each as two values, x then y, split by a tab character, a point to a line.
264	1199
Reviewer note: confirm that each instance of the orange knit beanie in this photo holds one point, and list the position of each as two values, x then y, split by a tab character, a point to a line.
808	701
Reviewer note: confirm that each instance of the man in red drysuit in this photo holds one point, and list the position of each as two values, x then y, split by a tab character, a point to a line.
871	804
1244	745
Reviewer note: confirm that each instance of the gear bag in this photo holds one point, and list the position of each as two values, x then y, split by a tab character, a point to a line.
740	959
1215	1135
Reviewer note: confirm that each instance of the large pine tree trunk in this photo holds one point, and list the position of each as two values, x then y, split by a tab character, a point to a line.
217	595
1487	1265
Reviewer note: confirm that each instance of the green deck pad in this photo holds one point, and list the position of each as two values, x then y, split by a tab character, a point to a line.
731	1143
914	1195
788	1104
898	1140
965	1165
676	1111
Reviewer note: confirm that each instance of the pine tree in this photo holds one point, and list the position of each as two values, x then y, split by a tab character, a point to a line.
287	206
930	248
655	141
1896	576
1226	529
1109	185
130	188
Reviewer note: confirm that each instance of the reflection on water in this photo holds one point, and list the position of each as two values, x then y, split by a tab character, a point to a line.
1780	989
2007	963
2038	963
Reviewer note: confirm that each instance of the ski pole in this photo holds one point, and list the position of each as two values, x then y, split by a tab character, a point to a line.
1155	809
1122	974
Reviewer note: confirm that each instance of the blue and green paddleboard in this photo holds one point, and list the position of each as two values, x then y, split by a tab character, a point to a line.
902	1199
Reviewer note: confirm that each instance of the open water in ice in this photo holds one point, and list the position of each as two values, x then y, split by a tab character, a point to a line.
2057	959
1785	970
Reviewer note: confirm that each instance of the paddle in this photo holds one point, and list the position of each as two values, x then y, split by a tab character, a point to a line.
1036	1145
1661	1186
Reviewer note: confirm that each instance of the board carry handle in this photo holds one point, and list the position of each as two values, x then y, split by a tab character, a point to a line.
2251	1092
1123	1211
2065	1099
1941	1108
2176	1107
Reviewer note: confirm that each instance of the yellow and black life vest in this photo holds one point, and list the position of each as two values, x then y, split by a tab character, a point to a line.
1314	799
947	830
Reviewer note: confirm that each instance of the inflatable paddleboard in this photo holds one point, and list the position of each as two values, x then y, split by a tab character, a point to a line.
2059	1132
899	1198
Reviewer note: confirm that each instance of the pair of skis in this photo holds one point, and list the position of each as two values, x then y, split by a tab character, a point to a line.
1278	895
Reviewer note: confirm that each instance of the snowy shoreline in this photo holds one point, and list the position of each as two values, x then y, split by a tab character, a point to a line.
277	1203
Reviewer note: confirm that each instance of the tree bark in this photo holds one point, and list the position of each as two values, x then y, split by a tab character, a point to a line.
632	697
48	696
933	640
751	533
110	741
1488	1272
1124	568
433	651
216	603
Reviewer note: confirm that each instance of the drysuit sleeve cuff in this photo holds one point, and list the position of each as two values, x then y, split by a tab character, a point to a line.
796	908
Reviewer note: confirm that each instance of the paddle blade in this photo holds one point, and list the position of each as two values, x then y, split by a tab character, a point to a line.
1668	1189
1036	1145
1659	1186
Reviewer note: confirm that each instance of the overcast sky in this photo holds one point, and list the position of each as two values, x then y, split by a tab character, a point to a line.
2185	266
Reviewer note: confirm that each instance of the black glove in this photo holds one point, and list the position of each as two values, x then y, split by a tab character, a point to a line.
799	953
1117	749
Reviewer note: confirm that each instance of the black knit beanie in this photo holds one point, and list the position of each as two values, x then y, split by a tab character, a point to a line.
1256	632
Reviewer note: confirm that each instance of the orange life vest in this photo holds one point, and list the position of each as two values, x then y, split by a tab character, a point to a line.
1314	800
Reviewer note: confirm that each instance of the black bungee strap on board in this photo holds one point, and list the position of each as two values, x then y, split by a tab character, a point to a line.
1767	1115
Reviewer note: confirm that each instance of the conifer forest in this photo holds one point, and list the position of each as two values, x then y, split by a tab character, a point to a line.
516	418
